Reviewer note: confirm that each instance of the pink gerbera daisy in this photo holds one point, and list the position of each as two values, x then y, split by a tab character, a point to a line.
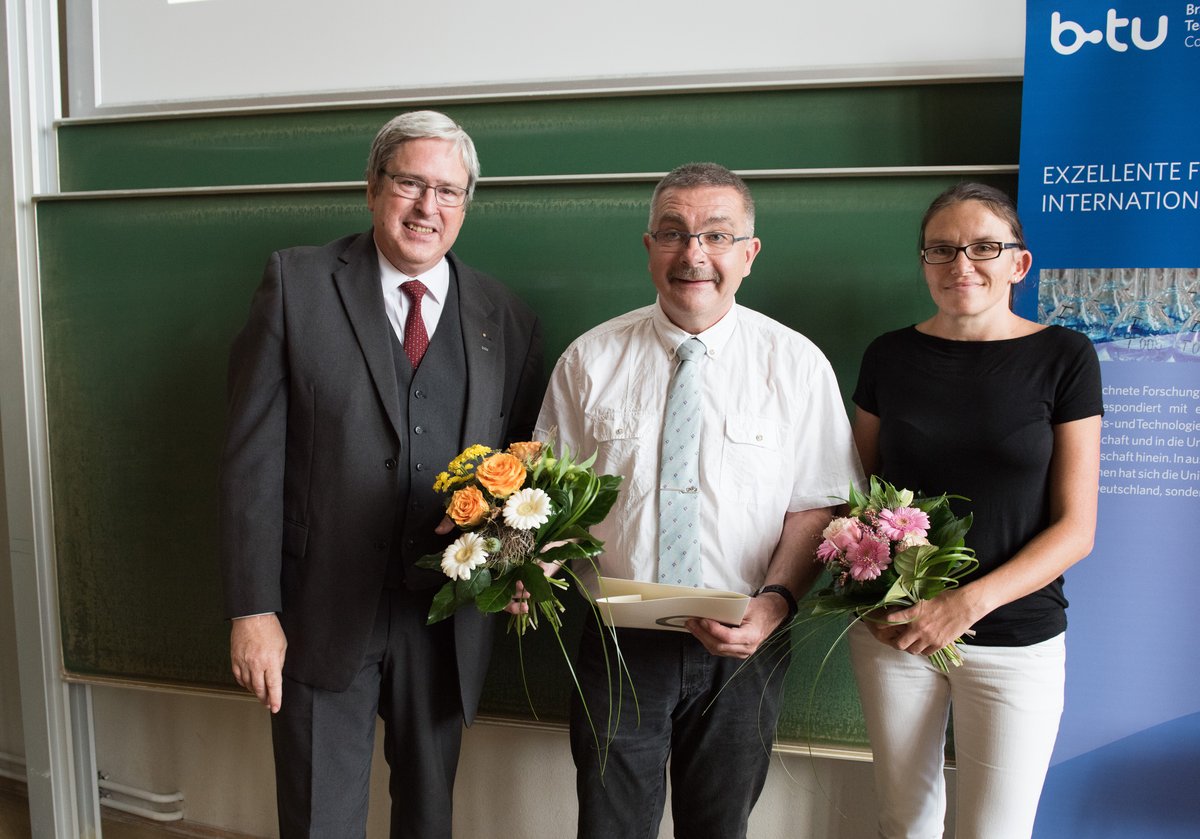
903	521
867	559
828	552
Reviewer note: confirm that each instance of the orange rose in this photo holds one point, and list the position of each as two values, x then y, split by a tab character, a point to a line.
527	453
501	474
468	507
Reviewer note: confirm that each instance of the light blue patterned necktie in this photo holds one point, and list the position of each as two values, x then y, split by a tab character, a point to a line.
679	472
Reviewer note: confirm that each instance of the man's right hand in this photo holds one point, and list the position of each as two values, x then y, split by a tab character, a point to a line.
256	648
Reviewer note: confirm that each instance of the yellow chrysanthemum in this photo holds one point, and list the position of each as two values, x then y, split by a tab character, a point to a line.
463	463
461	470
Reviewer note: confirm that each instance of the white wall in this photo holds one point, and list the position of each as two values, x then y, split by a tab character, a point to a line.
147	54
512	782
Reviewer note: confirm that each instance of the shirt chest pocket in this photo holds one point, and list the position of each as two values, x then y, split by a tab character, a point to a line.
752	454
627	445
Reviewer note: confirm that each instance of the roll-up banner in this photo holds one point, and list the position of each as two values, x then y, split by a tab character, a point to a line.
1109	193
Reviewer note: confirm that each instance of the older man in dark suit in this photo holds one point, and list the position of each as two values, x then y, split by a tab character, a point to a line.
365	366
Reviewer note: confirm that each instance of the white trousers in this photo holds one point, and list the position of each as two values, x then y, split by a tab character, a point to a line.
1007	704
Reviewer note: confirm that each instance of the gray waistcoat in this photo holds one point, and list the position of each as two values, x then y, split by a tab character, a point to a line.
433	406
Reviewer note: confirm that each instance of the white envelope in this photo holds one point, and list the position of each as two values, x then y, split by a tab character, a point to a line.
656	606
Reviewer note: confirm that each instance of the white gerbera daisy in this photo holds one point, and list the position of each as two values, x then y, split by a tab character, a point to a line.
527	509
465	554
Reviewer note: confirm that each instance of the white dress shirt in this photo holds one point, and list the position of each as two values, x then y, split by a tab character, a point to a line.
396	302
774	436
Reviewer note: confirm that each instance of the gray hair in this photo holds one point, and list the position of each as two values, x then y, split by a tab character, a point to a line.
693	175
419	125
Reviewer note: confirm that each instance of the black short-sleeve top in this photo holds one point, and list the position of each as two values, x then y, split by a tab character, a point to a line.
976	418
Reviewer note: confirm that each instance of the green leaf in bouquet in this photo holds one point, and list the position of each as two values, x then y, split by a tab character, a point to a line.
586	464
542	599
857	501
568	531
945	568
590	546
566	552
605	495
536	582
935	569
933	505
498	595
908	562
467	590
828	603
582	489
886	496
443	604
561	502
898	593
952	533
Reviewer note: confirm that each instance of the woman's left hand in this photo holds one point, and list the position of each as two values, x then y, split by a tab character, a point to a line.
930	625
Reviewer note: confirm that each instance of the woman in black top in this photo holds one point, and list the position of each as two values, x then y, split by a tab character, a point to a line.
979	402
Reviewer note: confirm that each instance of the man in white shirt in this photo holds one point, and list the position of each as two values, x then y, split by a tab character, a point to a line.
774	450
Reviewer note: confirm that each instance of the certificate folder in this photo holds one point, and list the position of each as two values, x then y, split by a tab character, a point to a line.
635	605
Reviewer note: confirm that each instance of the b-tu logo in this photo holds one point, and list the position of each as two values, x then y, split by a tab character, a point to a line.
1110	35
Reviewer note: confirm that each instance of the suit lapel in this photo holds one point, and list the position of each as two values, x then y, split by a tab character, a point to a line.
357	282
485	362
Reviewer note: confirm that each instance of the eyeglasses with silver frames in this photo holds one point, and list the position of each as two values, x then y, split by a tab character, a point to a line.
407	186
711	242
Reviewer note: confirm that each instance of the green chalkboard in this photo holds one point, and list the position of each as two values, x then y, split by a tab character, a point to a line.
892	125
141	295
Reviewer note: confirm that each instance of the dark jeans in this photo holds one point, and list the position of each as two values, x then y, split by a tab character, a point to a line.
324	740
719	750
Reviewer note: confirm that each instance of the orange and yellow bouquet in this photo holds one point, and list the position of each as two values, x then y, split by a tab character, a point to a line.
520	510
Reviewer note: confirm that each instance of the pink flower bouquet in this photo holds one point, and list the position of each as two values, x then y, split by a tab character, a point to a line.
893	550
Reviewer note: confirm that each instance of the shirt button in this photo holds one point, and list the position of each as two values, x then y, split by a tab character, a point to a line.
418	430
420	467
390	463
420	394
758	438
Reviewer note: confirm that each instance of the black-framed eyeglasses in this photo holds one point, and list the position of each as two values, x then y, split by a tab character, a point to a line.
410	187
710	242
976	252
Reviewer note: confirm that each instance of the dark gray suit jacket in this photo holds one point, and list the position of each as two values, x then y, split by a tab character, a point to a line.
308	502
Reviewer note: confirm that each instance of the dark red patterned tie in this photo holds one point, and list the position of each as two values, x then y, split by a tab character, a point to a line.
416	339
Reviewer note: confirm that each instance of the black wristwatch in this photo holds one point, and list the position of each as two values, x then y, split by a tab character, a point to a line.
783	592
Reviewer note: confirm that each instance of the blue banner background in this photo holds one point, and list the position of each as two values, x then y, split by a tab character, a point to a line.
1103	108
1127	761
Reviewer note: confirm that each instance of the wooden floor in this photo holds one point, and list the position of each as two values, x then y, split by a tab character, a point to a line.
14	821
